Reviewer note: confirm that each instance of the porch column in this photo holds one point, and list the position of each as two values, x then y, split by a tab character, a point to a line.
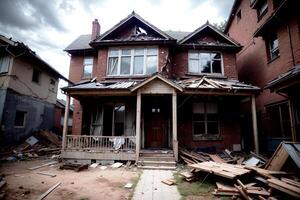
292	119
174	125
254	124
66	119
138	125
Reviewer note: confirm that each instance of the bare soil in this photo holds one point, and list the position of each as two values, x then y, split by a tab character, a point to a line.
90	184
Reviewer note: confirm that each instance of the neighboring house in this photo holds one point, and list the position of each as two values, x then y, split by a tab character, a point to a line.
140	89
269	31
28	90
59	116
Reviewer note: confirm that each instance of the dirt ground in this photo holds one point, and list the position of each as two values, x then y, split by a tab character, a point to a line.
90	184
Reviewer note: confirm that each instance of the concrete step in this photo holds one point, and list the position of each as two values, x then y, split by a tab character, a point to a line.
156	155
156	163
158	167
159	158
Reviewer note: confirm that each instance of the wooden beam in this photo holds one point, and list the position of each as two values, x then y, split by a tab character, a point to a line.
138	124
292	119
66	119
254	124
48	191
174	124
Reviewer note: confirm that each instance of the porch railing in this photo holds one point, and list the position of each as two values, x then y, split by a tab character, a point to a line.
100	143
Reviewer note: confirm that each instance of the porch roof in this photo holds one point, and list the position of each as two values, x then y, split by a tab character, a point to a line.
198	84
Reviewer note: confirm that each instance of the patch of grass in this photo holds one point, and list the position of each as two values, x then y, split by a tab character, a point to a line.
193	188
134	182
225	198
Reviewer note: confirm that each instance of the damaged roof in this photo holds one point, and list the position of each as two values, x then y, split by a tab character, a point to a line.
80	43
203	83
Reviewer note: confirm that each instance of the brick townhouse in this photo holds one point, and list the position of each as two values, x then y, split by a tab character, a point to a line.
142	90
268	30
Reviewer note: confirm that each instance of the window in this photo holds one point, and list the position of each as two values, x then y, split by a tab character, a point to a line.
114	120
238	15
261	8
207	63
4	64
36	75
87	67
20	119
52	81
273	47
279	124
205	118
132	61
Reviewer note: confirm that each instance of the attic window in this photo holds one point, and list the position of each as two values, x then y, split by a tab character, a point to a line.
139	30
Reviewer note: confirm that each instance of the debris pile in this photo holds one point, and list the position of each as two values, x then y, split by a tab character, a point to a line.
42	143
254	178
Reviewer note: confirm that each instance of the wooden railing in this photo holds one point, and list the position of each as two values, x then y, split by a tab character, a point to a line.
100	143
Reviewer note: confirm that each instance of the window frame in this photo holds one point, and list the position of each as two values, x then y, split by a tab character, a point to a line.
264	11
39	75
24	119
132	57
269	41
238	15
84	76
5	56
210	52
206	121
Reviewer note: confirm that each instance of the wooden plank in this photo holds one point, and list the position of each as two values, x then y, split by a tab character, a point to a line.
46	174
242	192
48	191
216	158
169	181
2	183
285	187
291	182
44	165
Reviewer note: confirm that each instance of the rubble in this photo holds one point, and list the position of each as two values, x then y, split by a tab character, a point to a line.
243	176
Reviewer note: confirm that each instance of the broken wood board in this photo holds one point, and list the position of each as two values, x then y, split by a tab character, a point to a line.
50	136
44	165
116	165
2	183
278	159
291	182
216	158
49	191
284	187
75	167
46	174
221	169
170	181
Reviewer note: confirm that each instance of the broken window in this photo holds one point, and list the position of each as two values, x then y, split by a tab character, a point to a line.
114	120
20	119
87	67
261	8
205	63
205	118
36	75
4	63
133	61
273	47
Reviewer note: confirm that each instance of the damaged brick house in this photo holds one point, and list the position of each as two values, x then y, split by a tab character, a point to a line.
28	90
269	31
140	89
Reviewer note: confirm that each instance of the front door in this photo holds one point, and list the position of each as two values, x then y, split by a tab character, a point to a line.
155	123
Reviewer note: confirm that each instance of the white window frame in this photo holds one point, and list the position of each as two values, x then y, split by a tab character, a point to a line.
84	65
272	50
210	52
132	55
5	60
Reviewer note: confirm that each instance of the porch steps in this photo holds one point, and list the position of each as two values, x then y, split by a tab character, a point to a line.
157	159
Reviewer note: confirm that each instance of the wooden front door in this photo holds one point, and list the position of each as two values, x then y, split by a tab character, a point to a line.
155	124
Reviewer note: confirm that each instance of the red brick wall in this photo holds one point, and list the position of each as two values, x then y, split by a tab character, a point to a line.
180	66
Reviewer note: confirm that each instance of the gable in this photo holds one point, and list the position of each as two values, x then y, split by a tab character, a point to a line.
207	35
133	28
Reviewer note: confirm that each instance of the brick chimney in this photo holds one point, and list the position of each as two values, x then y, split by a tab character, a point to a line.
95	29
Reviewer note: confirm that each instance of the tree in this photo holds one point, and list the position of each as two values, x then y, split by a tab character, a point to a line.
221	25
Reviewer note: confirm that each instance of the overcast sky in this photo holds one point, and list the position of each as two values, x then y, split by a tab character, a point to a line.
48	26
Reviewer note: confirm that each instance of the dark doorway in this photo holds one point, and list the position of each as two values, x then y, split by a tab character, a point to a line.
156	120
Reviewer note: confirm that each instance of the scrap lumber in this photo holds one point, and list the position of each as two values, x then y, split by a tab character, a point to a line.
278	159
221	169
51	137
291	182
169	182
242	192
266	173
216	158
48	191
258	156
75	167
44	165
187	175
2	183
46	174
284	187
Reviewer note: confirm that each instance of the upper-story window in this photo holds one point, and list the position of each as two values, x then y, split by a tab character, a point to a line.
273	47
205	63
87	67
262	8
238	16
36	75
132	61
4	63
